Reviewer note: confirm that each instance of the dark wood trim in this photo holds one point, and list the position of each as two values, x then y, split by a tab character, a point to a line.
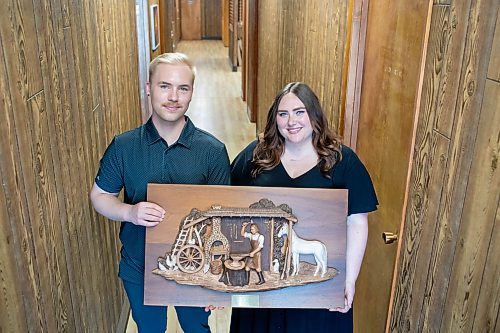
252	57
355	70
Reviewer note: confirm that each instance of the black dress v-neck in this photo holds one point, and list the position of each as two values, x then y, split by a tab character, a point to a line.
349	174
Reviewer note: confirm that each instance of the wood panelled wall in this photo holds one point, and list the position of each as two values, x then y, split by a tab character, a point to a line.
302	41
68	83
448	278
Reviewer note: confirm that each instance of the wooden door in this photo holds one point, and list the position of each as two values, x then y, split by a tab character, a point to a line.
211	19
190	19
167	22
393	52
234	6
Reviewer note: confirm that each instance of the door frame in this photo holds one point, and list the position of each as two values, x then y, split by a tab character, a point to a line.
143	46
352	108
356	45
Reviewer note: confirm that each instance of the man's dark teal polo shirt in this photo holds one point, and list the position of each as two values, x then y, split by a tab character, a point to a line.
140	156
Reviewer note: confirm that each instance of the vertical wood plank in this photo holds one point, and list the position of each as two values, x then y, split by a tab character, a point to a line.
12	314
430	156
453	45
19	202
49	233
486	317
466	118
51	85
13	317
50	34
445	288
17	31
478	222
270	44
494	67
306	26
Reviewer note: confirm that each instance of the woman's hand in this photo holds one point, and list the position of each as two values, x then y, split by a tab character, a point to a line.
349	291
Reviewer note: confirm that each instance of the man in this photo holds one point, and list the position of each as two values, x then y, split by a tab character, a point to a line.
168	149
256	244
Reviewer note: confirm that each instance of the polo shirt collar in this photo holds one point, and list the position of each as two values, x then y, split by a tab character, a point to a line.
185	138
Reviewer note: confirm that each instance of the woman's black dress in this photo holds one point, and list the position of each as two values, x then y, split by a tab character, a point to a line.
350	174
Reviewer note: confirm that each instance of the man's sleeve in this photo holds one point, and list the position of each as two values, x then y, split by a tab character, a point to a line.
220	172
261	241
110	175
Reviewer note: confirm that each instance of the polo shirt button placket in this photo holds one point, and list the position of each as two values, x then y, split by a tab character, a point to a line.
164	166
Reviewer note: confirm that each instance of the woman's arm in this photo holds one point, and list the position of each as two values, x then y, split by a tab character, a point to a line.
357	235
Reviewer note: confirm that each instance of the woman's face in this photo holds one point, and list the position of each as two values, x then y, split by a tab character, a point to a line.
293	121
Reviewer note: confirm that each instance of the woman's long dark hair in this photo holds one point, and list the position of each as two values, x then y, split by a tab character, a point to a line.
267	153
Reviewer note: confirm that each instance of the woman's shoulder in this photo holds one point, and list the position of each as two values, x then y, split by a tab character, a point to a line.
347	151
242	165
348	162
349	156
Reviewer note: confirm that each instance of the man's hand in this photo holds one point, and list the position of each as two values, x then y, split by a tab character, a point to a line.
213	307
147	214
108	204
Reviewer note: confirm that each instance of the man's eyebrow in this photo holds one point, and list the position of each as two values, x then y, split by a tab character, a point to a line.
180	85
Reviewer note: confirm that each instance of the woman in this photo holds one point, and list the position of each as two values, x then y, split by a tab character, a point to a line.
297	149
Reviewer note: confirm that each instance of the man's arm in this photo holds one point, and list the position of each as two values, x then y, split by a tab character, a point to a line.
243	226
220	172
107	204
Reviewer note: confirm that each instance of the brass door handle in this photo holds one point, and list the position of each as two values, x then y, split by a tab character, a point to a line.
389	237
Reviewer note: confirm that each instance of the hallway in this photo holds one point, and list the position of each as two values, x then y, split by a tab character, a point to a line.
218	108
412	86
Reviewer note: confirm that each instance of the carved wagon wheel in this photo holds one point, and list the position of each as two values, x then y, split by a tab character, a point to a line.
190	258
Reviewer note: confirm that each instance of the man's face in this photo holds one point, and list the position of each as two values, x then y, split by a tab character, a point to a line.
253	229
170	89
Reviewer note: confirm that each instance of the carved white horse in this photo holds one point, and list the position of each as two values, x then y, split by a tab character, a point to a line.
303	246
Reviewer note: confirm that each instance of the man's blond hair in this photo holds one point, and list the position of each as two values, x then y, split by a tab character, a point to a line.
171	58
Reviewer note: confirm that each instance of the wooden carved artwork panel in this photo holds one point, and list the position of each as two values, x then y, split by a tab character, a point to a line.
246	246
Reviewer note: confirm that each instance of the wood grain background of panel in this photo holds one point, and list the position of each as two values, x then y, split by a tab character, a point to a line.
68	85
